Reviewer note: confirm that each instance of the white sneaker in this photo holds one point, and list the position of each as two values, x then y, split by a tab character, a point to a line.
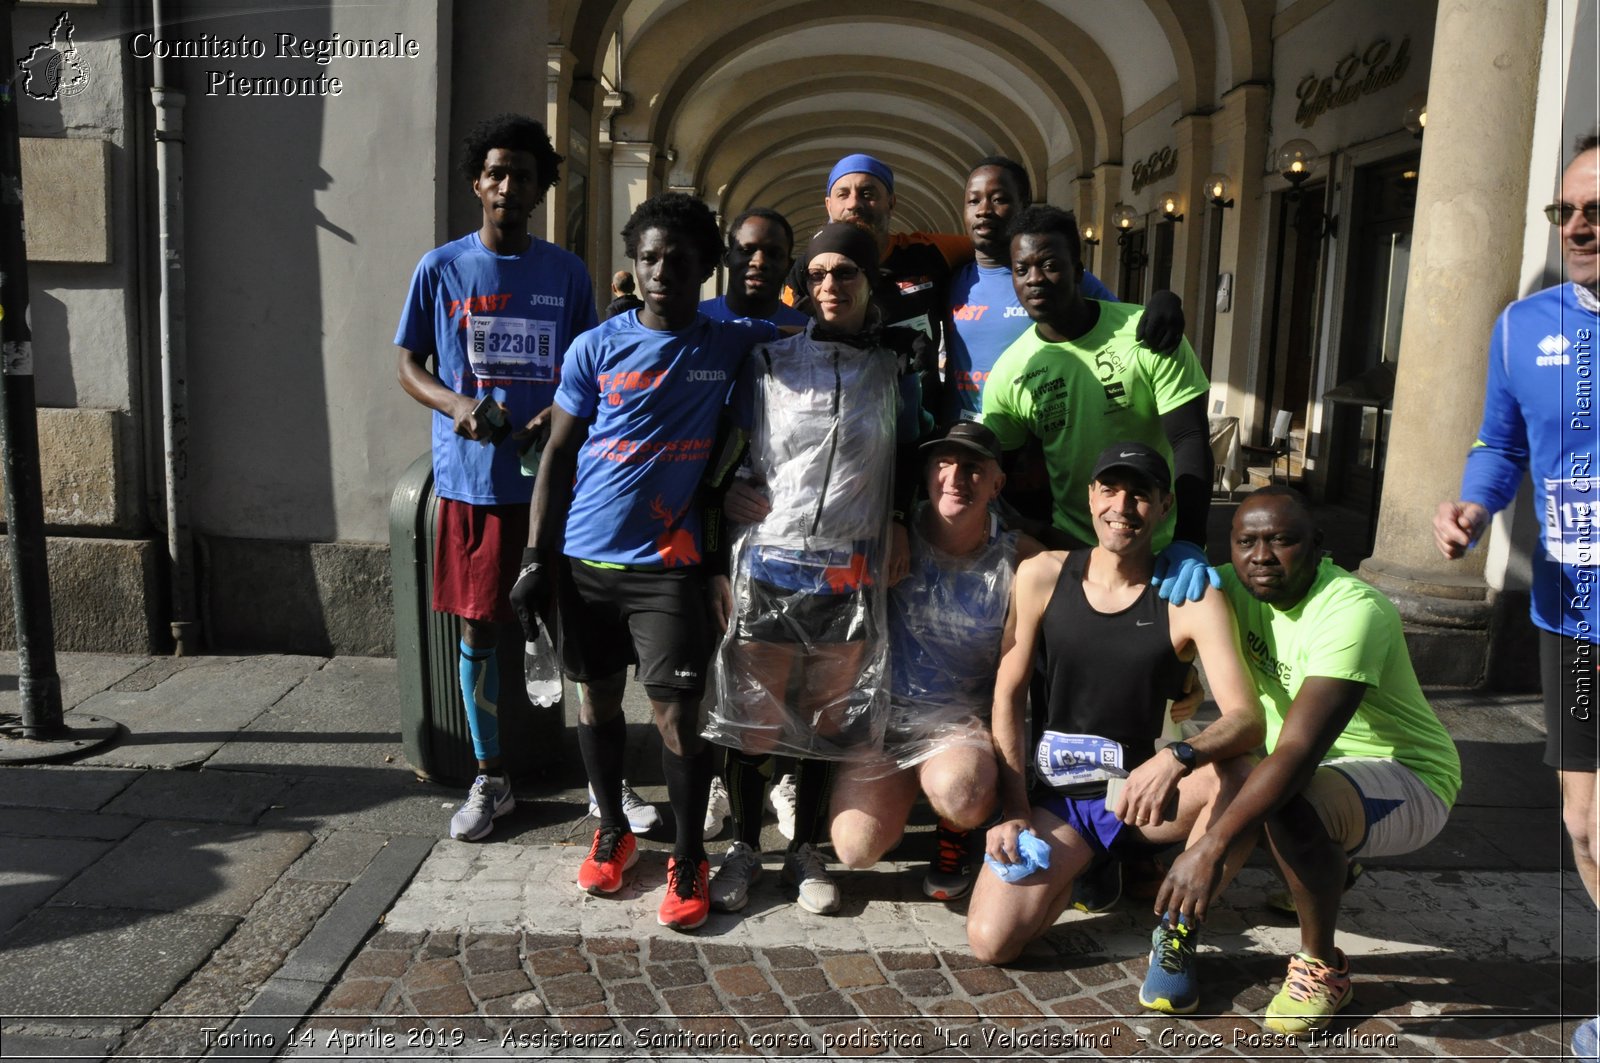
717	808
782	799
642	816
730	886
489	798
807	871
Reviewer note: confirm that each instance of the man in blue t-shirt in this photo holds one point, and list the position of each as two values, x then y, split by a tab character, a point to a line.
983	302
1539	418
493	310
760	248
615	533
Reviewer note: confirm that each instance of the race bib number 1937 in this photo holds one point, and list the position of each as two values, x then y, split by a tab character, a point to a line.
503	349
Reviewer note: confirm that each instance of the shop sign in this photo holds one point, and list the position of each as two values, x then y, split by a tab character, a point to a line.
1353	77
1162	163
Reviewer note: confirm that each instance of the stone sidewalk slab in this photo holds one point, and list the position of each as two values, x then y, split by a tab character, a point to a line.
196	868
101	966
344	717
187	716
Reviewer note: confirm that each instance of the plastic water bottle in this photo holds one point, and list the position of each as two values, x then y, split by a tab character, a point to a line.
540	671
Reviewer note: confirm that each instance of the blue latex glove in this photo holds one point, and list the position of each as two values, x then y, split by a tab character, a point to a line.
1034	852
1182	573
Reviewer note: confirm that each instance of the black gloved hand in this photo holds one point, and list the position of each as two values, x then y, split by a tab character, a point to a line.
1161	324
530	593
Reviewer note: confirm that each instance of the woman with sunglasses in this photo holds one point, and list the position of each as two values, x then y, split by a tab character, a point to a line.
825	419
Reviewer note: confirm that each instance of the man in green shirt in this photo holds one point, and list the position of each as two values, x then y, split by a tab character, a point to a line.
1078	380
1357	763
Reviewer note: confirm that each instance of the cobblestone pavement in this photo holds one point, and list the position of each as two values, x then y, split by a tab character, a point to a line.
493	951
254	862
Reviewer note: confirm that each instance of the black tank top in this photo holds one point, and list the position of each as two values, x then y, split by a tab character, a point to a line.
1108	674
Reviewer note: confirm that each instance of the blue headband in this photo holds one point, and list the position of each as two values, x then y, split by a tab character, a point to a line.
860	164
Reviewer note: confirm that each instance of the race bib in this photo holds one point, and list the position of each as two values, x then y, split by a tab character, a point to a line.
511	349
1064	760
1570	512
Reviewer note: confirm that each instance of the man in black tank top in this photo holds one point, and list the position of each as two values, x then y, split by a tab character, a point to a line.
1111	650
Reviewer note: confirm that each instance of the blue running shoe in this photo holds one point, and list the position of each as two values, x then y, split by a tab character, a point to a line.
1586	1041
1171	984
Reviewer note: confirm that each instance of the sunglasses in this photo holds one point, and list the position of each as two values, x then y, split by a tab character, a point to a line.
1561	213
843	274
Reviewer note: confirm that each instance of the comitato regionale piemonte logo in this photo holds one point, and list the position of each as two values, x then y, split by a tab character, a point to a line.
53	69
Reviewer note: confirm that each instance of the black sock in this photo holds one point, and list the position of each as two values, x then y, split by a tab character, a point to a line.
604	746
747	777
688	790
813	785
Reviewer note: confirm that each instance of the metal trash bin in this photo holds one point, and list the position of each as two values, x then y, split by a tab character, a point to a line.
433	721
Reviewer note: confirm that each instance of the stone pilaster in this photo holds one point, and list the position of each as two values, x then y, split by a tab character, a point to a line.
1239	149
1465	256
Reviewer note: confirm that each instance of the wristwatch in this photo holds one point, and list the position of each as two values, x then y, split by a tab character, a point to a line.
1183	752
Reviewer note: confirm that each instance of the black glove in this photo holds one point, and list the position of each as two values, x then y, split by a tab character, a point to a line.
530	592
1161	324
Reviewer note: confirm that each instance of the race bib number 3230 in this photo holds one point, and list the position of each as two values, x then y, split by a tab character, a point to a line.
503	349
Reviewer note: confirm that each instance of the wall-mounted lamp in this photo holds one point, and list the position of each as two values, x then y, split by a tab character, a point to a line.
1415	116
1217	190
1168	205
1294	161
1122	216
1091	236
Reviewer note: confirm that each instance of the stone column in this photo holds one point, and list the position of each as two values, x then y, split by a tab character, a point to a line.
1239	149
631	161
551	223
1107	191
1465	255
1192	139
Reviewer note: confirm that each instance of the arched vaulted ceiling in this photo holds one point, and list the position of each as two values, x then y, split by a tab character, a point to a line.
757	100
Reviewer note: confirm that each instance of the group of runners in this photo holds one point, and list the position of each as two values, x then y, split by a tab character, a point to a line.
924	514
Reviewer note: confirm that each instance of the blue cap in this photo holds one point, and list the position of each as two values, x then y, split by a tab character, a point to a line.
860	164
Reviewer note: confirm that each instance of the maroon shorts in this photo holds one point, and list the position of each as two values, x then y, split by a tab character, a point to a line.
476	551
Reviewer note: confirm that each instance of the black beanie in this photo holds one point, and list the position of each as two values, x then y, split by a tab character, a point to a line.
851	241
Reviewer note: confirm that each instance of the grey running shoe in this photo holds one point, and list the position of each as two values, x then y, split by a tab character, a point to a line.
730	886
807	871
642	816
489	798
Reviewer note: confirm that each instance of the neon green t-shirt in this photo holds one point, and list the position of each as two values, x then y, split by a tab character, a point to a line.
1346	629
1079	397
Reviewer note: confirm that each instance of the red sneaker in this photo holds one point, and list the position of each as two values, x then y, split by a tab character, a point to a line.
613	852
688	900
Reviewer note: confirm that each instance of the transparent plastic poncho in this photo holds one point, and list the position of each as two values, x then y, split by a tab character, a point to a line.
946	620
803	668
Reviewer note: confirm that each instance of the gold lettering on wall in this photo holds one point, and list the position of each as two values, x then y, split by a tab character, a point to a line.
1353	77
1161	163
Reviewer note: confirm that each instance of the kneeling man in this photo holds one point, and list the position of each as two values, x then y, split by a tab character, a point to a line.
1111	652
946	620
1357	763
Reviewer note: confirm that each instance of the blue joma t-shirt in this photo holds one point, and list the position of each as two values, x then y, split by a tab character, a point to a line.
496	325
717	309
655	398
988	319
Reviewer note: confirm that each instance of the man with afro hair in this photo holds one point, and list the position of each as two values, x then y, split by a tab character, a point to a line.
615	538
492	312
